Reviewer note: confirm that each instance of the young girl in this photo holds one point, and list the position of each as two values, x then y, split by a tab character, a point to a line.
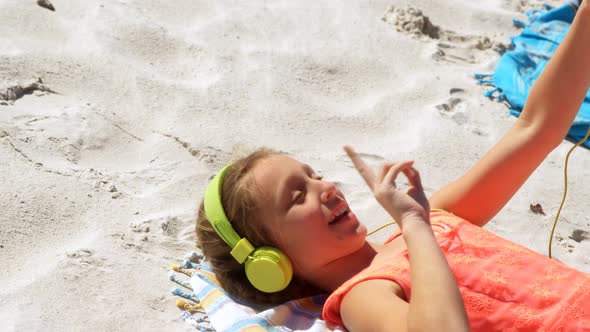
442	271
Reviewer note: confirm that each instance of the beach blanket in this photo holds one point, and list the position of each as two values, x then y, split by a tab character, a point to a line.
207	307
519	68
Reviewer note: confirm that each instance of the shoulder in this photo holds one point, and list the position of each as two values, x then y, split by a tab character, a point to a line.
374	305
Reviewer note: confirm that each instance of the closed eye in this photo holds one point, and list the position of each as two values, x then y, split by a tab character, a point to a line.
299	195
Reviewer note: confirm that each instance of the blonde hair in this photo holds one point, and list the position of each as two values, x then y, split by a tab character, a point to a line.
240	200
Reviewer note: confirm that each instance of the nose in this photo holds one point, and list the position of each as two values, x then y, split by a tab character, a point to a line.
328	191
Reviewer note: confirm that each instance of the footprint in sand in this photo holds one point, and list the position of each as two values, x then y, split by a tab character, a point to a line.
450	46
85	258
163	228
454	108
79	263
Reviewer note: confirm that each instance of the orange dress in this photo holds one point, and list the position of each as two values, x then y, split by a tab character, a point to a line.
504	286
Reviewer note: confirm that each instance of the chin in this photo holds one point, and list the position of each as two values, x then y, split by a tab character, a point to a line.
362	229
357	240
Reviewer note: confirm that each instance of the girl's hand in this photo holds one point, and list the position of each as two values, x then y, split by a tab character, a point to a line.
412	203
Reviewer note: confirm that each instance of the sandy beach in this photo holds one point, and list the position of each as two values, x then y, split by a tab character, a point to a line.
127	108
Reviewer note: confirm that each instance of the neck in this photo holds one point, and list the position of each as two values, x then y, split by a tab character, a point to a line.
335	273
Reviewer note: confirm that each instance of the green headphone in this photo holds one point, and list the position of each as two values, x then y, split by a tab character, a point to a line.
267	268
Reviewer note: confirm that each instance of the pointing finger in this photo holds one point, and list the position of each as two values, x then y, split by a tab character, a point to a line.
365	171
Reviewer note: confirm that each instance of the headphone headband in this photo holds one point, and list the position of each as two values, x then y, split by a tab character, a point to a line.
241	247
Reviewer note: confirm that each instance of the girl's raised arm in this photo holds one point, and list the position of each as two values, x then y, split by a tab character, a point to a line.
546	118
436	303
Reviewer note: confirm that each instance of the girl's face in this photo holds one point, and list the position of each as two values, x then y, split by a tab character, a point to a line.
308	218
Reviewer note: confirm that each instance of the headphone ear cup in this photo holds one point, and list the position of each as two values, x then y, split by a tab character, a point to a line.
269	269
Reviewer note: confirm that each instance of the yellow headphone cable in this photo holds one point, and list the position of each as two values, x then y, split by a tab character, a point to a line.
565	187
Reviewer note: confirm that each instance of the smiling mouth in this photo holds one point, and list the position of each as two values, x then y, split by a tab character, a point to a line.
340	212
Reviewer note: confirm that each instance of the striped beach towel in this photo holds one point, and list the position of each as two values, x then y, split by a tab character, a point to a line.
223	313
519	68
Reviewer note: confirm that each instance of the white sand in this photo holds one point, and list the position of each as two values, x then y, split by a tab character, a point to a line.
101	180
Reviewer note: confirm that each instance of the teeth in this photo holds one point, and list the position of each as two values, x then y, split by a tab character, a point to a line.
339	211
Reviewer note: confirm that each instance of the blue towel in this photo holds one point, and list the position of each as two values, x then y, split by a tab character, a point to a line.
519	68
